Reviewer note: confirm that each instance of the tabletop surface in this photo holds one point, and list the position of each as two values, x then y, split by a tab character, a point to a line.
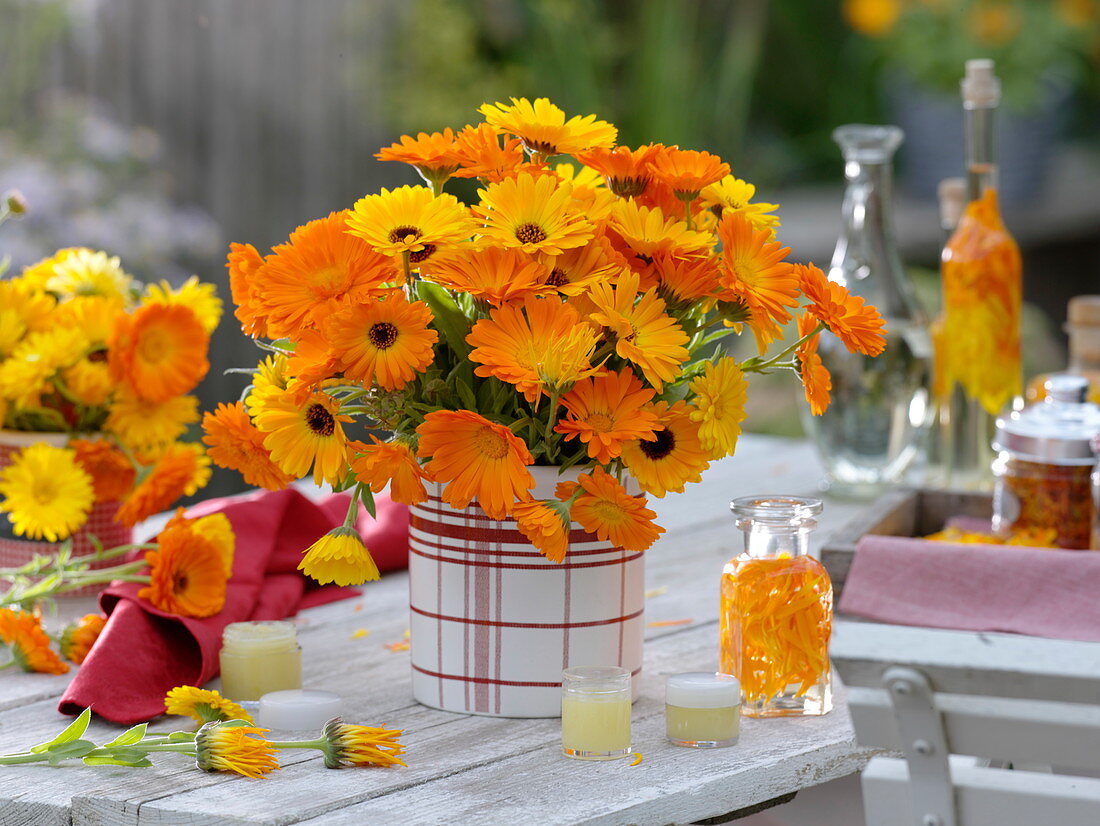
468	769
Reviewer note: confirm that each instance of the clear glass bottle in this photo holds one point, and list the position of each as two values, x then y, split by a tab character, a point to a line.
880	412
776	611
978	344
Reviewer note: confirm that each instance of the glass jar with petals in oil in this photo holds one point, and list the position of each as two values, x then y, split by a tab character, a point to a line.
777	610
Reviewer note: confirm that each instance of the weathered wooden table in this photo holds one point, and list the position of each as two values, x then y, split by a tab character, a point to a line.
467	769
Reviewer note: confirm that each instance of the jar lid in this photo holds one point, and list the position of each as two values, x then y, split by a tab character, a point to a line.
297	709
703	689
1058	430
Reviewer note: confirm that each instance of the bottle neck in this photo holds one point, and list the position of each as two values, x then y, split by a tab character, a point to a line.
1084	349
769	540
981	165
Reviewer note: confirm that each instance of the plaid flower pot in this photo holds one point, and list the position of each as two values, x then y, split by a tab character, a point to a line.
494	622
16	551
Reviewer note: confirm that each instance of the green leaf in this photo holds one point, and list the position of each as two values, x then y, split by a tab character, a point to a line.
466	395
367	498
181	736
74	731
130	736
451	322
70	750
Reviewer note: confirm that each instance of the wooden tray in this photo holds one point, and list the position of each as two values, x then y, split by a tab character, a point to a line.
899	513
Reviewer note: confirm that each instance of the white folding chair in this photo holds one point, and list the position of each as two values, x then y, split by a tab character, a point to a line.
944	698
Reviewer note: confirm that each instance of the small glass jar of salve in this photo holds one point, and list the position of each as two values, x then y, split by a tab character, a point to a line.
258	658
595	712
702	709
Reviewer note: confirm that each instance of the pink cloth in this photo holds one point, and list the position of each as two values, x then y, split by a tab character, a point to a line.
1033	591
143	652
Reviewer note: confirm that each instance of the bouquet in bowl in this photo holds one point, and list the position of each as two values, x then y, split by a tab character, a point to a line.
574	316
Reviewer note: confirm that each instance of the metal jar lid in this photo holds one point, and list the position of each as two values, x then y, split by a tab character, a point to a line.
1058	430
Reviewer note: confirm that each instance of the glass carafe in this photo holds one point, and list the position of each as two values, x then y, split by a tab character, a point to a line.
776	611
880	412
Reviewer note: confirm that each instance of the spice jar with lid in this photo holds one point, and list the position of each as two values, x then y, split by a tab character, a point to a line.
1044	461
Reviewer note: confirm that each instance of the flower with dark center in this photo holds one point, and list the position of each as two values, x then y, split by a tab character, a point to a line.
530	234
320	421
382	335
660	447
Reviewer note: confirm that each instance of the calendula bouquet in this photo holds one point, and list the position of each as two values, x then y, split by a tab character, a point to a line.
573	316
87	350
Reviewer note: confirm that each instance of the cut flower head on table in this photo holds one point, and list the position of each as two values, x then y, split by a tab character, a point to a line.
573	316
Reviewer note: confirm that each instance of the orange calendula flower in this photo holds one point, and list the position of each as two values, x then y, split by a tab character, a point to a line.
111	472
674	457
78	637
533	213
627	171
215	528
645	232
848	317
202	705
607	510
544	130
546	526
816	381
320	269
159	351
231	747
187	574
305	432
481	154
340	557
644	334
384	341
30	647
233	442
872	17
390	463
755	270
477	459
685	278
688	171
242	262
541	347
606	411
499	276
577	269
720	397
180	471
411	221
432	155
352	745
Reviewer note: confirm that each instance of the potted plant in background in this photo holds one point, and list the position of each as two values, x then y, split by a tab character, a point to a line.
95	375
542	360
1041	49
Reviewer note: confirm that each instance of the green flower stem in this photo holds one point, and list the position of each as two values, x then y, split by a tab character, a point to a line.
320	744
182	748
408	269
756	366
548	433
25	757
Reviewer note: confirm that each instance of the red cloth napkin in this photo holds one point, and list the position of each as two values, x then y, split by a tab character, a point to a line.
1033	591
143	652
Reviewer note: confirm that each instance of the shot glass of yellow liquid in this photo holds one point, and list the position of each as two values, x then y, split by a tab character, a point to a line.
595	712
702	709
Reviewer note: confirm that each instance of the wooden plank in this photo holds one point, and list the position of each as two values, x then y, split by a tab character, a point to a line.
984	796
1016	731
964	662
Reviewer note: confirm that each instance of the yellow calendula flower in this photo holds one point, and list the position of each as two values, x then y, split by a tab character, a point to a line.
35	360
270	380
146	426
544	130
45	493
202	705
719	405
201	298
351	745
341	557
82	271
534	214
733	194
410	220
234	746
23	309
